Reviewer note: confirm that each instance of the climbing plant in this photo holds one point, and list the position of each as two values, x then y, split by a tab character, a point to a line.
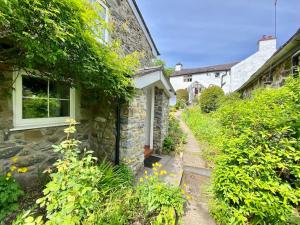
63	40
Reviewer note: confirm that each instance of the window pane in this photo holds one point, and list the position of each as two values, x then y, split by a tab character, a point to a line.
58	90
34	87
35	108
59	108
34	97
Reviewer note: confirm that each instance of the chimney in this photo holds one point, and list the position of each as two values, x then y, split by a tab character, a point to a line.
267	43
178	67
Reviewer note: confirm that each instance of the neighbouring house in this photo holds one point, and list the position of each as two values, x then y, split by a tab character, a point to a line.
126	131
204	76
284	62
229	76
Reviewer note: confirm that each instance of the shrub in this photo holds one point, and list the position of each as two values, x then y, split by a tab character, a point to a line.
182	98
176	137
209	98
257	179
10	192
82	192
162	204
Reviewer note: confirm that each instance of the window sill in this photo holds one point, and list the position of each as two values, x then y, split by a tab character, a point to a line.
29	127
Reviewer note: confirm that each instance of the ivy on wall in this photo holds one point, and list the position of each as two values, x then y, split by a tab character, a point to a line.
63	40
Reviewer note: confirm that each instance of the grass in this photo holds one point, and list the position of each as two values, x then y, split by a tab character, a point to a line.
206	129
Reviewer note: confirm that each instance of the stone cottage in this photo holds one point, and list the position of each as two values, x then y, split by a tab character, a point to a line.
115	131
284	62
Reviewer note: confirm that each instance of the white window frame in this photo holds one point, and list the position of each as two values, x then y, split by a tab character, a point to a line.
106	34
188	78
22	124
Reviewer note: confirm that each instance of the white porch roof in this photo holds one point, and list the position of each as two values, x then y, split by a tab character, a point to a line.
153	76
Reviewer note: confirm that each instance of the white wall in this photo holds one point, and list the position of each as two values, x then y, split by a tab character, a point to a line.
242	71
205	79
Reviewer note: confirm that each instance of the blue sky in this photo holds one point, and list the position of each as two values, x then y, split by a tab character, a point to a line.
206	32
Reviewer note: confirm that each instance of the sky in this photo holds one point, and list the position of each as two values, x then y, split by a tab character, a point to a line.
208	32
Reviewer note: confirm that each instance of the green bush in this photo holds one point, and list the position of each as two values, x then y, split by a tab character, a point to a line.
182	98
162	204
176	137
10	192
83	192
209	98
257	178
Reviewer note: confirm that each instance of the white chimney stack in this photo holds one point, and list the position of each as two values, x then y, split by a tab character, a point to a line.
267	43
178	67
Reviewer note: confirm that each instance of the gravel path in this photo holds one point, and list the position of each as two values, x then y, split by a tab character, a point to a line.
196	178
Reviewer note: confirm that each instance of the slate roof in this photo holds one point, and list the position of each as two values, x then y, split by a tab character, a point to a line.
147	70
214	68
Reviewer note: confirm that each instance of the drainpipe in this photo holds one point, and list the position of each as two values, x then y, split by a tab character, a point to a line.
118	132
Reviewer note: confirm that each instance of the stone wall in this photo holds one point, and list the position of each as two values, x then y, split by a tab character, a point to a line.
133	118
127	29
271	78
97	128
161	119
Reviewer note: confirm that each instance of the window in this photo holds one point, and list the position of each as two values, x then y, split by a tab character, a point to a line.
41	102
188	78
296	63
103	13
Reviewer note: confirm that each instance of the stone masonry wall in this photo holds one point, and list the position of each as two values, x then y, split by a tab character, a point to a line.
133	118
274	78
97	123
127	29
161	120
33	147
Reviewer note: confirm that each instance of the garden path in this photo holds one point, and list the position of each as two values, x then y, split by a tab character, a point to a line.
196	178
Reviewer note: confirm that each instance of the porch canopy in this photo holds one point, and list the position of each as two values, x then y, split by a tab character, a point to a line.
153	76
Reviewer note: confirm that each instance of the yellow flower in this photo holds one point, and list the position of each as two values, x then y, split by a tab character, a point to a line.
15	159
188	197
154	168
184	185
156	173
146	172
13	168
146	177
8	175
70	130
22	170
163	172
141	180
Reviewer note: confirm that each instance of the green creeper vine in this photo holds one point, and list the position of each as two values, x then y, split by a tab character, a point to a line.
62	40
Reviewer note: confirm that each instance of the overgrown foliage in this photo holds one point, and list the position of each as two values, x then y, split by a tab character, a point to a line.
83	192
10	192
162	204
209	98
63	40
257	175
257	178
182	98
176	137
166	70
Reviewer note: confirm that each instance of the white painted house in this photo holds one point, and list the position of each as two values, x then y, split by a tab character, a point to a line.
229	76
